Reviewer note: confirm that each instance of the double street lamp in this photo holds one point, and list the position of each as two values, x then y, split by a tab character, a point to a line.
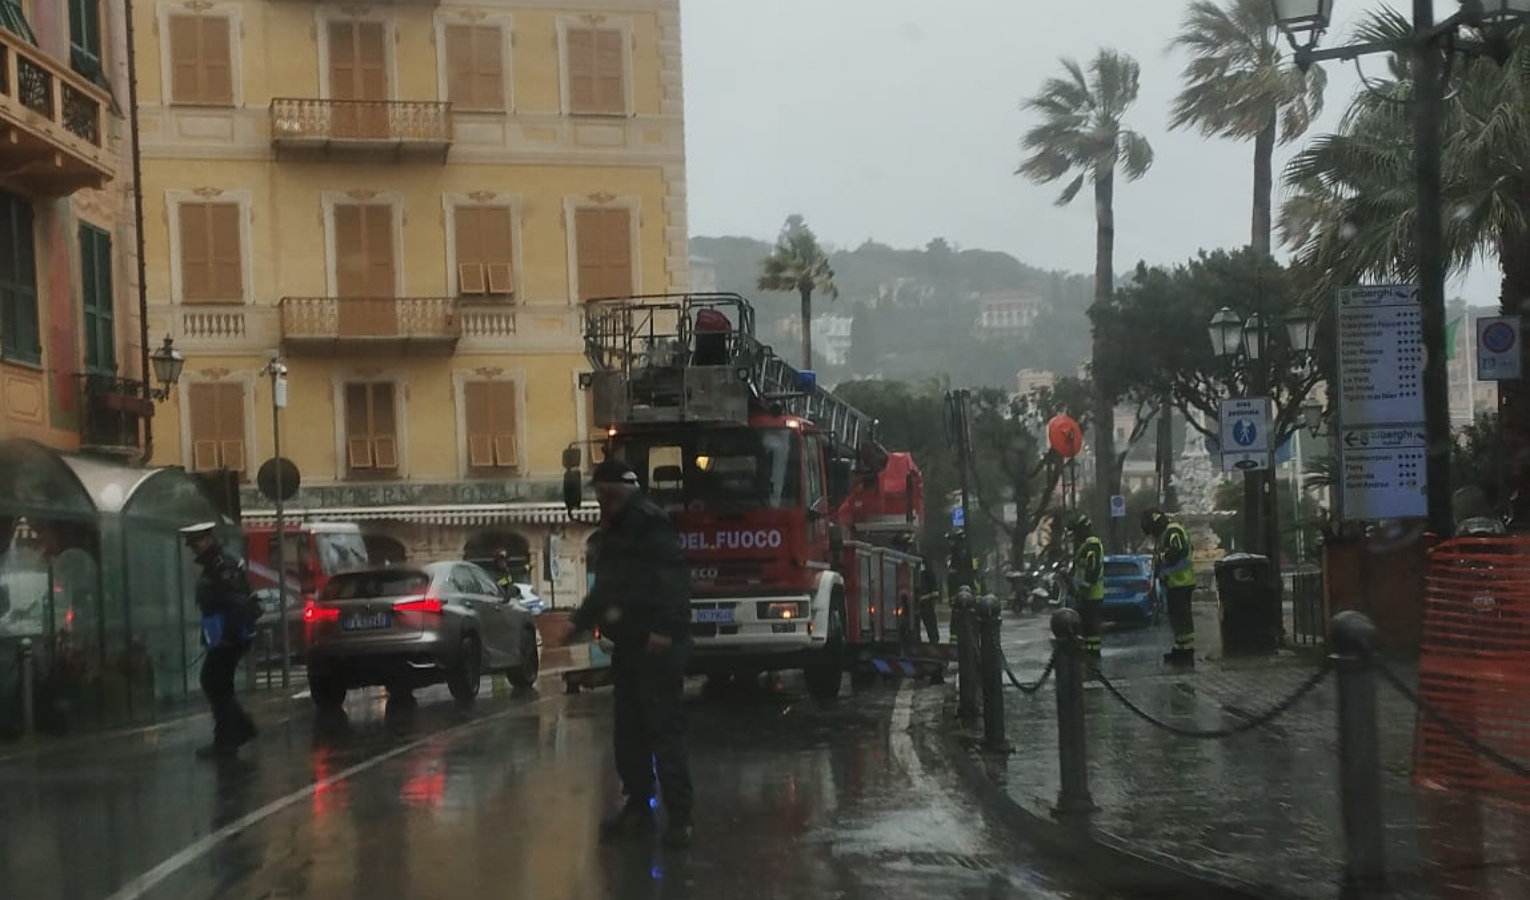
1237	340
1303	22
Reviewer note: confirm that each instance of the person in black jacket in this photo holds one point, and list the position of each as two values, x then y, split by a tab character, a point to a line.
641	603
228	629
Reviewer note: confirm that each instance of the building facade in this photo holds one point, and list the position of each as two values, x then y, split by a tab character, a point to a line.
1469	397
408	203
1008	316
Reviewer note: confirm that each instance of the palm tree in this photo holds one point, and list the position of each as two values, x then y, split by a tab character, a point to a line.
798	263
1354	211
1239	85
1081	135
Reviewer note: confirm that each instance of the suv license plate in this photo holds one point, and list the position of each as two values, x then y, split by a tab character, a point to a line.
714	616
367	622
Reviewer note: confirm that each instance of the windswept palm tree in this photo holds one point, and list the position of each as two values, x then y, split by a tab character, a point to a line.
1239	85
1354	214
798	263
1081	137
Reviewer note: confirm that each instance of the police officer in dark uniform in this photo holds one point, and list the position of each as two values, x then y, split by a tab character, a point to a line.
504	576
641	603
228	628
929	595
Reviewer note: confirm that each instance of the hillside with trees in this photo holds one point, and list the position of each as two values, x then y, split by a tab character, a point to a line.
914	312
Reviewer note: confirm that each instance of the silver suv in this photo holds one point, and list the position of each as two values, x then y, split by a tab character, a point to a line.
410	626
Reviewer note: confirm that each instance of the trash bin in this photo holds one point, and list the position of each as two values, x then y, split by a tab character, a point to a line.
1248	605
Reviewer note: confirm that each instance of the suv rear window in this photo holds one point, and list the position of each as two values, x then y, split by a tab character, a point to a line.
1123	570
360	585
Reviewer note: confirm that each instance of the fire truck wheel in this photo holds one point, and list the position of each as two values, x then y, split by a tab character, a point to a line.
826	674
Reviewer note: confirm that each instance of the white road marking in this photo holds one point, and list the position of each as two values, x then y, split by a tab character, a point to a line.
939	815
141	885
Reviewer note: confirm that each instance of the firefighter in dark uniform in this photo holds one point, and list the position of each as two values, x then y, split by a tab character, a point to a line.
504	576
929	595
641	603
228	628
1173	566
956	577
1088	579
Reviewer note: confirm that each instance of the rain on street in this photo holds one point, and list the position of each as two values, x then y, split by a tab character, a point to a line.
424	800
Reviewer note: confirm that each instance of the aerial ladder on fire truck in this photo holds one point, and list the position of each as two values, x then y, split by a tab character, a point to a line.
695	358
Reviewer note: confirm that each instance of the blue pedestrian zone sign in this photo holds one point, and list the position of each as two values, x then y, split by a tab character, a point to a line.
1245	433
958	518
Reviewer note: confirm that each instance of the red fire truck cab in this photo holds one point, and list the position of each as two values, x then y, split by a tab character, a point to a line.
789	511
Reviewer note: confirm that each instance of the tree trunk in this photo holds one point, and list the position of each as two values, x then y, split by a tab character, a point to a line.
807	326
1107	478
1264	187
1513	396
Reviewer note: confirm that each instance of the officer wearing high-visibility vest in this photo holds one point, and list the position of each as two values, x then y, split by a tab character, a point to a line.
1173	567
1088	578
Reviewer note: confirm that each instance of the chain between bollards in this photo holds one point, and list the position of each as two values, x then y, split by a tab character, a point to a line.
1073	799
1353	638
28	694
990	619
964	627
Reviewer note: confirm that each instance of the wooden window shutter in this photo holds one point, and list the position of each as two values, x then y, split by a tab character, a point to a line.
610	72
617	252
459	65
185	66
384	427
475	66
506	447
196	254
490	410
203	403
358	426
231	426
379	250
226	259
372	55
217	60
496	232
587	248
580	65
478	411
471	278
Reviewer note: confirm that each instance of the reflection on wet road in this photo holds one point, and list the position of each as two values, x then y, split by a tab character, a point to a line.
428	800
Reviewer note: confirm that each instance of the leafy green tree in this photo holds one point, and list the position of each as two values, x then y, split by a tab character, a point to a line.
1153	338
798	263
1240	85
1082	137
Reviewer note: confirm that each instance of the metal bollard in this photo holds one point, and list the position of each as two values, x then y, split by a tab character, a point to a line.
28	698
1354	640
989	621
962	624
1073	763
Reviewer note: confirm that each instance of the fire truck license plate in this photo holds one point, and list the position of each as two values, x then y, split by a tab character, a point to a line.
714	616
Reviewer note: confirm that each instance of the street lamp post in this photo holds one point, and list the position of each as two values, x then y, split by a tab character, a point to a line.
278	372
1234	339
1303	22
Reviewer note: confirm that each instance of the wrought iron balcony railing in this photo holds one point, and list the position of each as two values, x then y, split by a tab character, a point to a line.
387	324
57	121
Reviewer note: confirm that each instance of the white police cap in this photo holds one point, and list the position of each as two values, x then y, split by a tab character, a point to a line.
200	529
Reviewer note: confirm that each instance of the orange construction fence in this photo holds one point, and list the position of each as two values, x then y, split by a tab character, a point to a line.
1474	669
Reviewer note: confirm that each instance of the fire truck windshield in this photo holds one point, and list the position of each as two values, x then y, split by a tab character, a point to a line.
718	469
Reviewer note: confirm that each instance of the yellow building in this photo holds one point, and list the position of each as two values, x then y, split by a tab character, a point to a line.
407	202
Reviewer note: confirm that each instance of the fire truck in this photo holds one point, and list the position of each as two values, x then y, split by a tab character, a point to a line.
795	521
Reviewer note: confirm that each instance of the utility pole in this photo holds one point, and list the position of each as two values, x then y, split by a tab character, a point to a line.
278	372
959	433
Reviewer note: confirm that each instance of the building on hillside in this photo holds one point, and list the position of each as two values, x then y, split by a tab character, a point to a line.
91	566
831	336
1469	397
1029	381
409	204
1008	316
703	275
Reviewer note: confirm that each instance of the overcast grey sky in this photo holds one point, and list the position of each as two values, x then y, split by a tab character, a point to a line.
899	121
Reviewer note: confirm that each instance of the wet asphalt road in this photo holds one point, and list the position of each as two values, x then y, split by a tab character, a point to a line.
796	799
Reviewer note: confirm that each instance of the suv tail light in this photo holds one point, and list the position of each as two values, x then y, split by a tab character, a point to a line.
312	612
423	605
